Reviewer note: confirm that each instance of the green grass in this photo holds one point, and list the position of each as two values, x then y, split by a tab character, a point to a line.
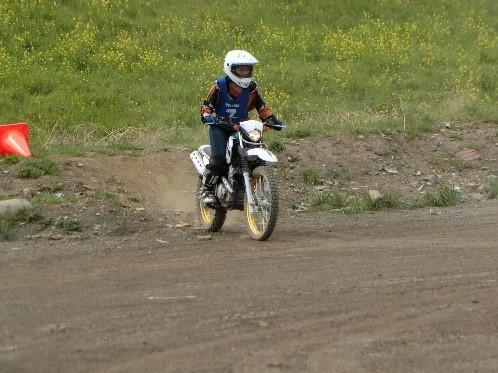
297	133
492	189
389	200
28	215
69	226
339	201
329	200
340	173
8	222
336	200
107	197
392	200
364	203
34	168
445	196
131	72
309	175
8	160
276	145
48	198
135	199
52	187
97	147
120	148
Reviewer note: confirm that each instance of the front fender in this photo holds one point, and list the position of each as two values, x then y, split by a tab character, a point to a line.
263	154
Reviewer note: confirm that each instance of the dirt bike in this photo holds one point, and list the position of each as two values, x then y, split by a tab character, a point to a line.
248	183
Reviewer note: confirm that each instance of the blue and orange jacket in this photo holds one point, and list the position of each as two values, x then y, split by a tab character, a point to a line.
216	94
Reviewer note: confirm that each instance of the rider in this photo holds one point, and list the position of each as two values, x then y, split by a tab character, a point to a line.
231	96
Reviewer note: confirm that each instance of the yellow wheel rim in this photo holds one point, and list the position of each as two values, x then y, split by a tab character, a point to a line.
207	215
252	219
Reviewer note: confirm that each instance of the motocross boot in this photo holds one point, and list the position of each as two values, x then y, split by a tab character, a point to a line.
207	192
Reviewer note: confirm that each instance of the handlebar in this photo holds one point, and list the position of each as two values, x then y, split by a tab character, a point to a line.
273	126
226	122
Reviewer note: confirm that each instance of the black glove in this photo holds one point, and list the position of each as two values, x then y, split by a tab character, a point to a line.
273	121
225	123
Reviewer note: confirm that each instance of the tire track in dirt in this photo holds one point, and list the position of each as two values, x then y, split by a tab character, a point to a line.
368	292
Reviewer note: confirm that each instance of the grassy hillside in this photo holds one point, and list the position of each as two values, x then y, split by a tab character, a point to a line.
83	71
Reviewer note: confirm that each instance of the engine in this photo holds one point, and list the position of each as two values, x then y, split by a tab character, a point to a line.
230	192
223	195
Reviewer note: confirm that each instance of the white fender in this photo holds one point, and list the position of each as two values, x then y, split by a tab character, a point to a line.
264	154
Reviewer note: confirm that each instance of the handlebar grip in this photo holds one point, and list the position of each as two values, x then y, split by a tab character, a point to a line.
274	126
225	125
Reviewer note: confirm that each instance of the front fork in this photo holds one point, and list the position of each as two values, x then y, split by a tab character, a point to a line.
247	181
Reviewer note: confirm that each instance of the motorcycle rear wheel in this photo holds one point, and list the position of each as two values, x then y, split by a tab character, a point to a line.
211	220
265	191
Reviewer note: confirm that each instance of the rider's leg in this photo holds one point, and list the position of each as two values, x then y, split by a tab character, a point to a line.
214	170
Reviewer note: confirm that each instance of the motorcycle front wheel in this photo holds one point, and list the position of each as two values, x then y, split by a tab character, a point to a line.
211	220
265	191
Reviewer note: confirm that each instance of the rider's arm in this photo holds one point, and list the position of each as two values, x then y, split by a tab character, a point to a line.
256	102
264	112
208	106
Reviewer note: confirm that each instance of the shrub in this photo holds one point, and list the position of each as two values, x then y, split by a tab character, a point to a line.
34	168
366	203
9	160
69	225
47	198
336	200
391	200
28	215
309	176
492	189
276	146
24	215
4	226
298	133
445	196
340	173
333	199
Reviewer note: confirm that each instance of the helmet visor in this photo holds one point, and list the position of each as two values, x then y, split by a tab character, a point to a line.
242	71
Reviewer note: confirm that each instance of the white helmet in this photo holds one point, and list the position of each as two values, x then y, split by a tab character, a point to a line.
237	58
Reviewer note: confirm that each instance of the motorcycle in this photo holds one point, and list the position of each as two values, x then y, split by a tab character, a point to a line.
249	183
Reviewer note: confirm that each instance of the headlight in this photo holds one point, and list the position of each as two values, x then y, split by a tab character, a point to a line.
255	135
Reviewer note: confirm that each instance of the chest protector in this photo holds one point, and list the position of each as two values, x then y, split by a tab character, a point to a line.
235	108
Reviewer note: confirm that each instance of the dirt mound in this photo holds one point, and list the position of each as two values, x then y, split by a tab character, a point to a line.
409	165
162	181
122	194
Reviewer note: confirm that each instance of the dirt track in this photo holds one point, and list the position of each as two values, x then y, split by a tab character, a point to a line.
395	291
384	292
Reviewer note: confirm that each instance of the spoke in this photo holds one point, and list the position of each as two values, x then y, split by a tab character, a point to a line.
262	201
